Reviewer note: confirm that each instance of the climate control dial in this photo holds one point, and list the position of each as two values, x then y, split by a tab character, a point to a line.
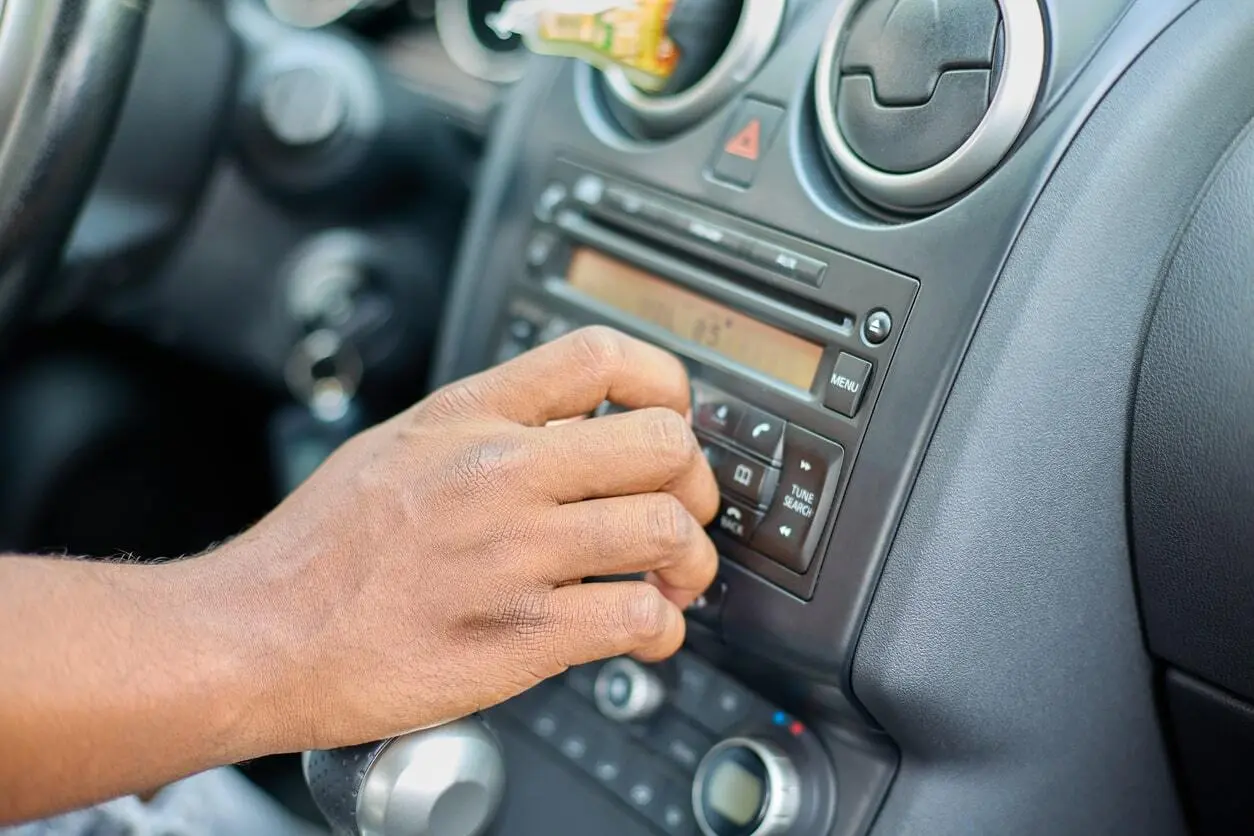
746	786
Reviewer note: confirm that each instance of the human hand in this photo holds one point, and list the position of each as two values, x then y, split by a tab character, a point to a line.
432	566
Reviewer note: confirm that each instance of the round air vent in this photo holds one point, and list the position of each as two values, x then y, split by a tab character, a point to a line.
473	46
721	44
918	100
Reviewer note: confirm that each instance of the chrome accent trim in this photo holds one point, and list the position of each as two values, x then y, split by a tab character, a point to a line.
1022	70
783	787
647	691
750	45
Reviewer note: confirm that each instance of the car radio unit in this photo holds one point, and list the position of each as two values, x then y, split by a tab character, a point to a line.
783	386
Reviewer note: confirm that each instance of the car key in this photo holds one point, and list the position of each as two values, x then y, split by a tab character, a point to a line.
323	374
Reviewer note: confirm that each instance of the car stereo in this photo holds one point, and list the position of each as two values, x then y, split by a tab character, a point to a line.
783	387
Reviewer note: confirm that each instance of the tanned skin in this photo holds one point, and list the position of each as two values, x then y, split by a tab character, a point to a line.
431	567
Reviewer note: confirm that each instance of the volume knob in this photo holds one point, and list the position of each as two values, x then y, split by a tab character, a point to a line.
627	691
746	787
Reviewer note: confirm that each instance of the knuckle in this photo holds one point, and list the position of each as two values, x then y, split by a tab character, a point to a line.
453	400
669	525
524	624
644	614
671	438
536	630
599	350
485	463
528	614
708	565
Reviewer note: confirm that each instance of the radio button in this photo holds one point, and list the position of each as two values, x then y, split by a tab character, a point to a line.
589	189
706	233
761	432
787	263
736	244
718	417
847	384
624	201
738	520
747	478
676	740
539	249
550	200
716	412
713	454
522	330
811	271
663	216
811	467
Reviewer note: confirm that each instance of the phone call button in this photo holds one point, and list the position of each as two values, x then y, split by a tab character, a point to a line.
761	432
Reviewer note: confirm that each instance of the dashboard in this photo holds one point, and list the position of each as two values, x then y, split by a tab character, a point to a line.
962	288
905	251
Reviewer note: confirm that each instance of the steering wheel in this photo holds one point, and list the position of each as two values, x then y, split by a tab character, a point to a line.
64	72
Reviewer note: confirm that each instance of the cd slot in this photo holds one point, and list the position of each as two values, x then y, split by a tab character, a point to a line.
725	282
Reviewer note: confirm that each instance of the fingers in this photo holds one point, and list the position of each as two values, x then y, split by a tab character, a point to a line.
645	533
630	453
602	620
573	375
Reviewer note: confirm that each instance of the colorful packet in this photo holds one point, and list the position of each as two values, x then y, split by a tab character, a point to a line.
629	34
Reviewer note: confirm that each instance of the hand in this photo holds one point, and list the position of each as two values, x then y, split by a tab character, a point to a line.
432	566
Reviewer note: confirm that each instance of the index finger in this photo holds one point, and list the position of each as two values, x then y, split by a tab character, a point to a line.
573	375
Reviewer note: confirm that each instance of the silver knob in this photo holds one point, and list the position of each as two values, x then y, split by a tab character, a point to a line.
746	787
444	781
627	691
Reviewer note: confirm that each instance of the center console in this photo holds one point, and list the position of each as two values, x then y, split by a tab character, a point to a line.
682	746
816	234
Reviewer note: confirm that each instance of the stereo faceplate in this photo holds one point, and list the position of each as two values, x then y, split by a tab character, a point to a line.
782	450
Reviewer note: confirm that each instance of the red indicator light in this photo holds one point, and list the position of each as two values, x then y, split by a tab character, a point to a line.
796	729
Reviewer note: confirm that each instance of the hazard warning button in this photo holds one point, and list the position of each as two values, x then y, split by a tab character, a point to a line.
745	141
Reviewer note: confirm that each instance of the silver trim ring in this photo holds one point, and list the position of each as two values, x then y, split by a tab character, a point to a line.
452	25
1022	68
750	44
783	790
647	693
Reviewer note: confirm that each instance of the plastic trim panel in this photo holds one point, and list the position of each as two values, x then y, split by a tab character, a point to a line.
1002	651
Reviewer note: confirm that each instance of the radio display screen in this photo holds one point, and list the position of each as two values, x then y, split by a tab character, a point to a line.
729	333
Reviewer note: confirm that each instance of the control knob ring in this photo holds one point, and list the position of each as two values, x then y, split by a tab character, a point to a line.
1021	73
779	800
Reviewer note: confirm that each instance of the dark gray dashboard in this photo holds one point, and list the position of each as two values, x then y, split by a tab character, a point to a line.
973	633
984	537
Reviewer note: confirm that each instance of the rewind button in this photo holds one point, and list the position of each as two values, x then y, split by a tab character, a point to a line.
812	467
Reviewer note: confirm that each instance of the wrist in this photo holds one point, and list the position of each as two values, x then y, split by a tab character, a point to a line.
243	609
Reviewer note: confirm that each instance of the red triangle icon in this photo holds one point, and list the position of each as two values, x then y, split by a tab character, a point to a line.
748	142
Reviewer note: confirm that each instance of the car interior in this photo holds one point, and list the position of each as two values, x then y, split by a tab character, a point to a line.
964	288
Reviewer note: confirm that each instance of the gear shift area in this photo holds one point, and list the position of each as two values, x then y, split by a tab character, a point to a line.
444	781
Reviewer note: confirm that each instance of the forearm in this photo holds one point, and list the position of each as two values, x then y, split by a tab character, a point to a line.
119	678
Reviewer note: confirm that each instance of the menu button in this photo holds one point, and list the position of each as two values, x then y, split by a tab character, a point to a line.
847	384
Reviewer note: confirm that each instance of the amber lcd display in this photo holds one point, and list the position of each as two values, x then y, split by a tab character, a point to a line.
731	334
